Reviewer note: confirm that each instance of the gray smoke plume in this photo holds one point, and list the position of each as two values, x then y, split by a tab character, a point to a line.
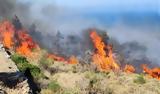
6	8
65	32
138	44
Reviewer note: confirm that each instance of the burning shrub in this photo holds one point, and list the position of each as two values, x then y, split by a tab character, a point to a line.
140	80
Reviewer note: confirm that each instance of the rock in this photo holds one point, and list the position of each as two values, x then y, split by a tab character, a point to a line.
11	80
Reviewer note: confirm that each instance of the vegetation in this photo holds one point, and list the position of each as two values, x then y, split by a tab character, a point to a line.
88	82
140	79
54	86
23	65
46	62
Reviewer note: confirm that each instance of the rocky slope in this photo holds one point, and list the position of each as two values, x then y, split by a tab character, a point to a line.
11	80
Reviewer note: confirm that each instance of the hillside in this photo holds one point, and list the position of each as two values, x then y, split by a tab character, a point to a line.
73	79
81	79
27	68
11	81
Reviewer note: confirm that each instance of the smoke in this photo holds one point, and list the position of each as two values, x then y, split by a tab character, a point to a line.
65	31
6	8
9	8
138	43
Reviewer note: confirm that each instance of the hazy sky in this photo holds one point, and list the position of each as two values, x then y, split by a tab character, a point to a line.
103	5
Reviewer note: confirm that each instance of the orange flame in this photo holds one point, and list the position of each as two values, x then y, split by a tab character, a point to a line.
155	72
55	57
7	34
20	40
7	39
129	69
73	60
104	60
24	37
26	43
103	56
24	49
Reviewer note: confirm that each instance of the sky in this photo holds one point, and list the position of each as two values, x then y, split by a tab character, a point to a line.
103	5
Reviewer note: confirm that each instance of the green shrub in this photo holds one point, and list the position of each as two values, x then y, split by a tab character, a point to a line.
54	86
140	80
18	59
23	65
46	62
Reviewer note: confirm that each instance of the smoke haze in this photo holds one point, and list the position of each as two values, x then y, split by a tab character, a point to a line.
64	31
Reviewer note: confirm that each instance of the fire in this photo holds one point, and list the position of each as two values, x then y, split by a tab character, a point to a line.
24	37
17	39
7	39
102	58
55	57
26	43
129	69
155	72
24	49
7	34
73	60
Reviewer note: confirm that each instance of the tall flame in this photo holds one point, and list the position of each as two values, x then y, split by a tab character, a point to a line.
7	39
7	34
102	58
20	40
27	43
